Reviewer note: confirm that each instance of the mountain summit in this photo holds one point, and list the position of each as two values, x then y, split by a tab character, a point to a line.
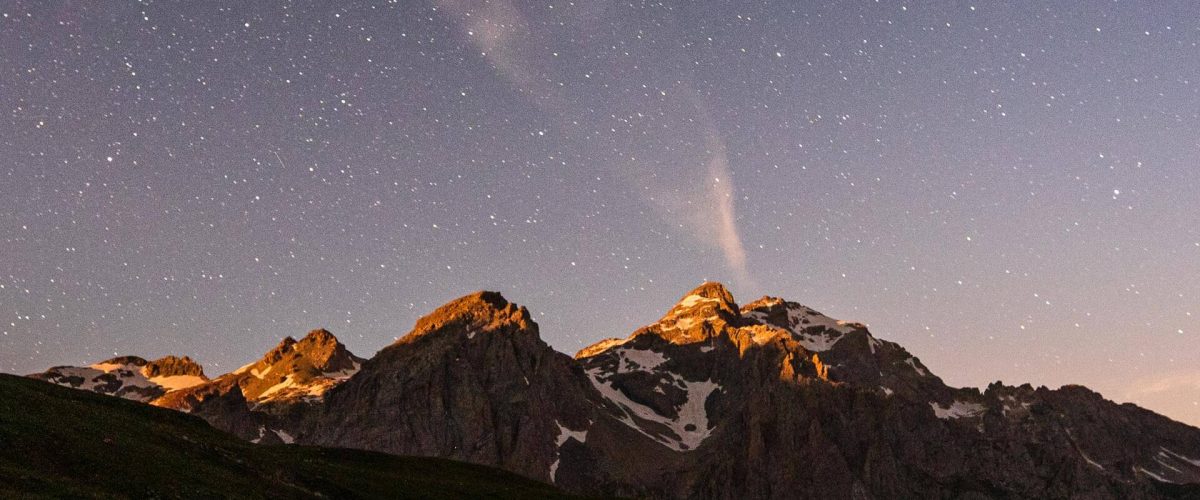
130	377
265	399
474	313
772	399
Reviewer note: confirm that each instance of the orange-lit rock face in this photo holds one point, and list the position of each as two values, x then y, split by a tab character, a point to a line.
470	314
698	316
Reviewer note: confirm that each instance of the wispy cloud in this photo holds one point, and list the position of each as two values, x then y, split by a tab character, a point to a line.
694	190
720	194
1174	394
503	36
1167	383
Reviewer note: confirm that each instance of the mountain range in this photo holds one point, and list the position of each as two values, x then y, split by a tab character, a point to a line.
771	399
62	443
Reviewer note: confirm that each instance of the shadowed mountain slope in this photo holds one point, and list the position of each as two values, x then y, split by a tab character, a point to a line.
56	443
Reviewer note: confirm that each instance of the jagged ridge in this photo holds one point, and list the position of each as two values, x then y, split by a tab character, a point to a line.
771	399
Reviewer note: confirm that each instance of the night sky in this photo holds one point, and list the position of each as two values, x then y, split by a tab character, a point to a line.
1010	193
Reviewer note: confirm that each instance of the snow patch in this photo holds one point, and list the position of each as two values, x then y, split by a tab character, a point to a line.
957	409
1091	462
1160	459
601	346
262	431
108	367
1192	461
687	322
913	363
827	333
692	300
60	374
177	382
285	437
563	435
873	343
1012	404
1177	465
690	427
290	387
1153	475
100	378
286	383
645	359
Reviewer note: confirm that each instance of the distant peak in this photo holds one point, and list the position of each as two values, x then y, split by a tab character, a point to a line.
319	336
706	299
172	365
712	290
700	314
483	301
815	331
281	350
765	302
478	311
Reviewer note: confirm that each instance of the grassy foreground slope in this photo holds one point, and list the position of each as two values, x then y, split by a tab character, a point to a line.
59	442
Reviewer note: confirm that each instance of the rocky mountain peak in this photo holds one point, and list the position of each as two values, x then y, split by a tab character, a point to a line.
319	337
294	372
319	348
816	331
170	366
280	351
706	299
325	351
479	311
765	304
699	315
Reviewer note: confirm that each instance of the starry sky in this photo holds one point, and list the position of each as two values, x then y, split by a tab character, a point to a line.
1010	192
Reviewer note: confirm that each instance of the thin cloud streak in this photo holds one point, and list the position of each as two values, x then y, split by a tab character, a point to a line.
698	197
503	36
720	195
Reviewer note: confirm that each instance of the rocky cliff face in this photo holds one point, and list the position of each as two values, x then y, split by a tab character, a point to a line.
768	400
472	381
